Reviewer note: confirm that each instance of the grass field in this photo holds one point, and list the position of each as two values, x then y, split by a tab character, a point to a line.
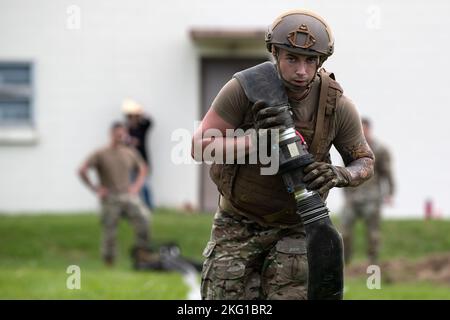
35	252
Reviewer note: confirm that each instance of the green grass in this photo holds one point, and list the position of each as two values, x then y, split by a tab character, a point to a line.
411	239
55	240
356	289
50	283
36	250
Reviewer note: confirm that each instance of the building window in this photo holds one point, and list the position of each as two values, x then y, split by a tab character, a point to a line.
16	97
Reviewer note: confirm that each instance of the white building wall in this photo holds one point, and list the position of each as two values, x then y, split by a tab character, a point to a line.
389	57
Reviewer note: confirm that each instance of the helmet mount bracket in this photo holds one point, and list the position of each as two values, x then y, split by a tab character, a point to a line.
310	40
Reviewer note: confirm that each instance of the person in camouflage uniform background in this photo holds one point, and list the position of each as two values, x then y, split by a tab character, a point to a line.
118	195
366	201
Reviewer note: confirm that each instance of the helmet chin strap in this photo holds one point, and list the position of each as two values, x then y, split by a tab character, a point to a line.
290	86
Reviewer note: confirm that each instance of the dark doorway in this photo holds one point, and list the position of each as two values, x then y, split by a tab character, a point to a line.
215	72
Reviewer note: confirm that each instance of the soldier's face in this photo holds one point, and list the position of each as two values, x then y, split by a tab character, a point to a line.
119	135
297	69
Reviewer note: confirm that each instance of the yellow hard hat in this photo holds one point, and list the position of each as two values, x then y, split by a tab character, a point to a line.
130	106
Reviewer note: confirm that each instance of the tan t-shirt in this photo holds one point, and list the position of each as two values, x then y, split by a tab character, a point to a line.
346	132
114	166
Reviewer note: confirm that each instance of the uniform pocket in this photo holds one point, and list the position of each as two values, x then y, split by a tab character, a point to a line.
229	278
229	269
291	253
291	246
288	264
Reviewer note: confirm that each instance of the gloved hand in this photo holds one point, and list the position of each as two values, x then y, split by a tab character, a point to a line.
266	117
322	176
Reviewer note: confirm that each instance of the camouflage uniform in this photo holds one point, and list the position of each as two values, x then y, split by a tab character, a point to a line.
245	260
128	206
365	202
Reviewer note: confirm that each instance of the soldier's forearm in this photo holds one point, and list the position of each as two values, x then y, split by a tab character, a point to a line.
359	171
359	163
140	179
85	178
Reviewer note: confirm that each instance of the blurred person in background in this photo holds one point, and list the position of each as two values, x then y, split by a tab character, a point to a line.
118	195
366	200
139	125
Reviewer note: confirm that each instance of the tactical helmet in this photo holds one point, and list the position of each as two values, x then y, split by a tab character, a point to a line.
301	32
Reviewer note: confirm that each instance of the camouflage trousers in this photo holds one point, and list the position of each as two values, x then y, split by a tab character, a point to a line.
245	260
127	206
369	211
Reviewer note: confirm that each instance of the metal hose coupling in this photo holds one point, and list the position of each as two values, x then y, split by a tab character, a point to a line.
294	157
324	243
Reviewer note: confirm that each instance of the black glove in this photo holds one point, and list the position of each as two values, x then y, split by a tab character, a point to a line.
322	176
266	117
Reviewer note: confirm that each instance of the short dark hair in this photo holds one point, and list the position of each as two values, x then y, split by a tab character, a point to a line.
117	124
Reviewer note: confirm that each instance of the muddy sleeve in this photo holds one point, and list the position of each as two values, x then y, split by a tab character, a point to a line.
350	140
231	103
352	145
